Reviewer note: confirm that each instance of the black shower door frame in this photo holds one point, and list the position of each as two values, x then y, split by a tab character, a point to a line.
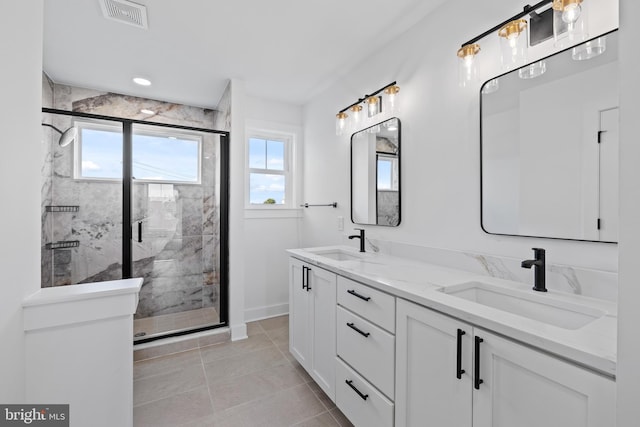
127	182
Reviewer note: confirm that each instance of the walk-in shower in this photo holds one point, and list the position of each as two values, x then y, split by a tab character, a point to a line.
131	198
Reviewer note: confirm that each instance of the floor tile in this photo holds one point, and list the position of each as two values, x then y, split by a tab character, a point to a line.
174	411
254	328
242	364
229	349
321	395
274	323
284	408
166	364
166	385
323	420
340	418
246	388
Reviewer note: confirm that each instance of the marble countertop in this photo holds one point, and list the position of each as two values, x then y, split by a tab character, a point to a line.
593	345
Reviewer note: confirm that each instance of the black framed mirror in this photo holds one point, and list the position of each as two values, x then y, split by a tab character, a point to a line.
549	146
375	174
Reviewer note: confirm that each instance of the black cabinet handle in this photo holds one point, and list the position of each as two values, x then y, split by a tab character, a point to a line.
308	287
355	294
477	381
459	370
355	328
139	231
350	384
303	283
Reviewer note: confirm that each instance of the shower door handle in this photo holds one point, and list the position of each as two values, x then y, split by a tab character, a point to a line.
139	231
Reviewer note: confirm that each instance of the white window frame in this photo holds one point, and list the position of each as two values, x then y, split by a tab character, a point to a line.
140	130
289	140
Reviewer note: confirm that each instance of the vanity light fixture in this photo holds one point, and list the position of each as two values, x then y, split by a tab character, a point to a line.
341	123
570	22
356	116
468	64
391	91
568	26
374	103
514	44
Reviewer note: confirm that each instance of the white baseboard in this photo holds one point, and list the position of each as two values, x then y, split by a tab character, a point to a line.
259	313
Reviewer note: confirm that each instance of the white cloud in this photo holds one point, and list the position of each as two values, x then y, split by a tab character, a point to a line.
88	165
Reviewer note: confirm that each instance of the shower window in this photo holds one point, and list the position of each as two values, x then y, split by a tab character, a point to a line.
158	155
98	152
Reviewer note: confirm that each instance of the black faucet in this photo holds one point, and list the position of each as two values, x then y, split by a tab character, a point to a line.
359	236
539	264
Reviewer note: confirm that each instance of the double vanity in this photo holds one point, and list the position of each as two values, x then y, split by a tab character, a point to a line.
394	341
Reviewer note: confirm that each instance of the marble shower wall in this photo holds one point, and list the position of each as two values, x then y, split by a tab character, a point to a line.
179	260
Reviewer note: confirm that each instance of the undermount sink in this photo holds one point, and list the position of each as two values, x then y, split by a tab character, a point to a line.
336	254
537	306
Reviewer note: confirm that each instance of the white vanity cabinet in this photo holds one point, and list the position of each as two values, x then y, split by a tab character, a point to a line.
365	372
312	321
451	374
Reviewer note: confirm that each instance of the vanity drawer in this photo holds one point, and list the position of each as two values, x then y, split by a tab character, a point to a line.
374	410
367	348
373	305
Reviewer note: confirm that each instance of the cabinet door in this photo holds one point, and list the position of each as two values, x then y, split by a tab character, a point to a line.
299	313
322	292
526	388
428	392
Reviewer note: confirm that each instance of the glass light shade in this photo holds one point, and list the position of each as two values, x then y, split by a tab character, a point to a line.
391	99
341	123
590	49
570	22
532	71
356	116
514	42
491	86
468	64
373	105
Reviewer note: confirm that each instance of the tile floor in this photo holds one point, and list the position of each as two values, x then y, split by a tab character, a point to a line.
176	321
254	382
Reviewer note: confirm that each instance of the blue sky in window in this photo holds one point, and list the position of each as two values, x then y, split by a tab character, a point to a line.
266	186
154	157
101	154
384	175
266	154
165	159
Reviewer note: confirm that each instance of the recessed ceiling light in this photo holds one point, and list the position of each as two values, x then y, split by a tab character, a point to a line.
145	111
141	81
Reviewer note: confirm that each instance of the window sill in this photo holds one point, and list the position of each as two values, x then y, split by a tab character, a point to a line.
257	213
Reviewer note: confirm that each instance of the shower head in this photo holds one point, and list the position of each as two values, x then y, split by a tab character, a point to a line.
66	137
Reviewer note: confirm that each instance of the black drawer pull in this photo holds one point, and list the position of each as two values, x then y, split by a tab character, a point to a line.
355	328
459	370
308	287
477	381
363	396
355	294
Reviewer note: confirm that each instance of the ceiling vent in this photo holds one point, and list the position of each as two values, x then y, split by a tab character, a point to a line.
126	12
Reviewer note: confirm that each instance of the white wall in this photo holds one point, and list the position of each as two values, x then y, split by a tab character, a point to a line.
20	115
268	234
440	141
629	285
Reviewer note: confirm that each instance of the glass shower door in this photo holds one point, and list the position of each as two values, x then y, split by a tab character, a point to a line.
175	229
